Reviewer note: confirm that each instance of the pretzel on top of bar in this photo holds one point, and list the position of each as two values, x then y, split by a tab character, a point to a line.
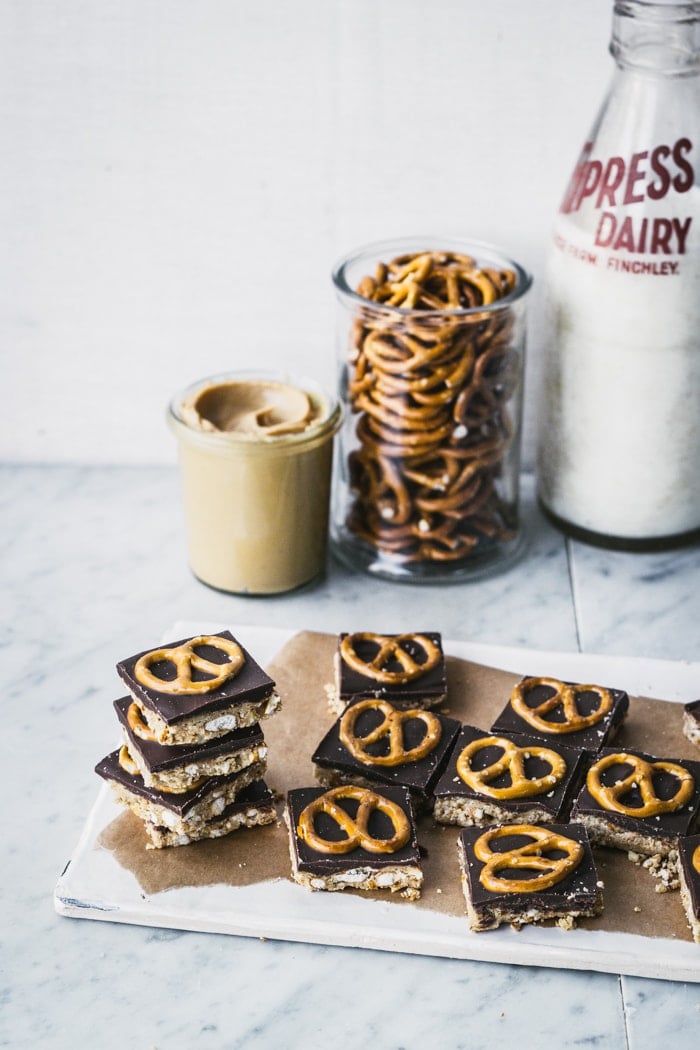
431	390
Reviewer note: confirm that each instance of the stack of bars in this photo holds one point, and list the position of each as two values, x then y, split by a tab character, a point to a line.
193	757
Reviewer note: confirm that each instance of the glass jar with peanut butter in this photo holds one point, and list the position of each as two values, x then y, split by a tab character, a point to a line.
430	357
255	453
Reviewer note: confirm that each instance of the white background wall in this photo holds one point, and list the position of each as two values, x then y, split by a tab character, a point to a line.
178	176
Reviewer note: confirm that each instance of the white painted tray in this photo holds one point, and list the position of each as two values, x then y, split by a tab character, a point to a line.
95	886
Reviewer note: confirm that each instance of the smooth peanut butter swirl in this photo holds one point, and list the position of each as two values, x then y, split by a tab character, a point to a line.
511	761
564	700
389	650
640	781
356	828
431	392
256	409
391	730
535	856
186	658
695	860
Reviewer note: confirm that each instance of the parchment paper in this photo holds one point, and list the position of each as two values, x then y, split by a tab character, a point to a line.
476	694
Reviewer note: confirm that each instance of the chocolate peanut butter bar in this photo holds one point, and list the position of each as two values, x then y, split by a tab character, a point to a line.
635	801
577	715
177	767
213	808
407	669
198	688
689	878
524	873
373	743
493	778
691	722
353	837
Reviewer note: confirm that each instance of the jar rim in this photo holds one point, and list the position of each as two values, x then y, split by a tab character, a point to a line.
328	423
484	254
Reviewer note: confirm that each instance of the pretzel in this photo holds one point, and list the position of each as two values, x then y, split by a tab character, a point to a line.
532	856
427	386
129	766
390	648
137	724
391	726
641	776
185	658
512	761
355	828
564	696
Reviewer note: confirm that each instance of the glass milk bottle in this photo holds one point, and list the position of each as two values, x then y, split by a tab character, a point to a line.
619	418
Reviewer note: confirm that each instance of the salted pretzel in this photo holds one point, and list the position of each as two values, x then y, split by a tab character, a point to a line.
129	766
641	777
511	761
127	763
564	697
356	828
391	728
138	725
390	649
428	386
534	855
185	658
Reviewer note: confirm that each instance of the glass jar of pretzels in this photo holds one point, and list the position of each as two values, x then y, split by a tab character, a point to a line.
431	346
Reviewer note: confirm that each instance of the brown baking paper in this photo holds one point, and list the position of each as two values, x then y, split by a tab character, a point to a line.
476	694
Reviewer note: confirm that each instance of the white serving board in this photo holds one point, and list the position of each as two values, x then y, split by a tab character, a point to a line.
93	885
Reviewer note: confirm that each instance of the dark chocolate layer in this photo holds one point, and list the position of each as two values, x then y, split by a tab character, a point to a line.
322	864
579	891
686	850
556	800
693	709
157	757
419	776
182	802
250	685
666	825
432	683
590	739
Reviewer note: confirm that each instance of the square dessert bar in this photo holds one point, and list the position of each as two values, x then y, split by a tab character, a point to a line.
353	837
524	873
691	722
689	878
374	742
213	808
498	779
177	767
580	716
198	688
638	802
407	669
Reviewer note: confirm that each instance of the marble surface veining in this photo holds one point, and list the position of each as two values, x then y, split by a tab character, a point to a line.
94	568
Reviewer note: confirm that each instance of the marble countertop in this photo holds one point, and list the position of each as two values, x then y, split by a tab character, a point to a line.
94	564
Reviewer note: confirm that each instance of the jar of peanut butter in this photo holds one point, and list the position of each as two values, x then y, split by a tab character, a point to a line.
255	453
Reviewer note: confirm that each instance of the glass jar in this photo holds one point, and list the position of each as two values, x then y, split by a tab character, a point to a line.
619	445
430	354
255	452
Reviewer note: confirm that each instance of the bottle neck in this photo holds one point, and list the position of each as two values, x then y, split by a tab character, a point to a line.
657	36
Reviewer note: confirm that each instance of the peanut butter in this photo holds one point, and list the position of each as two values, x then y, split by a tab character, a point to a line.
254	409
255	456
